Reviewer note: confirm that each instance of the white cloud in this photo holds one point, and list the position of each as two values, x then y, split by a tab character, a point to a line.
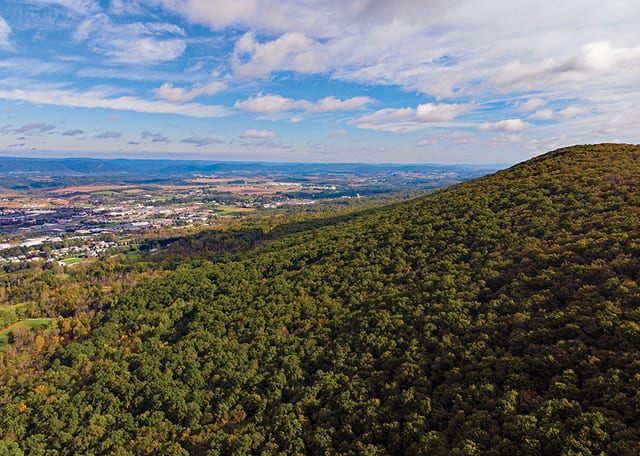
567	113
136	42
388	114
504	125
410	119
291	51
101	99
147	50
440	112
543	114
179	95
216	13
272	104
330	104
252	133
378	42
322	18
531	104
594	59
5	31
572	111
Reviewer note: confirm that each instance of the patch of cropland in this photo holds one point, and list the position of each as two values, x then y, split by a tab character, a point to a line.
499	316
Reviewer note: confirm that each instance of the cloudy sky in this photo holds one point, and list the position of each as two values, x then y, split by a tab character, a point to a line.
438	81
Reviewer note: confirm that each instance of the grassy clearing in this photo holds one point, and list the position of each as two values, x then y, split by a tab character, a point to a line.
134	255
29	323
72	261
233	210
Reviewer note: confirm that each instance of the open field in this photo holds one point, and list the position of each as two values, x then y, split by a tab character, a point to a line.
71	261
28	323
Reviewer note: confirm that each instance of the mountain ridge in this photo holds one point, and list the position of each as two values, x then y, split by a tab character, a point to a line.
498	316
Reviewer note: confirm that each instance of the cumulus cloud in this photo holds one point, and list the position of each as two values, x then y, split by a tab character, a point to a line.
567	113
291	51
543	114
252	133
504	125
72	132
199	141
102	99
572	111
433	112
330	104
410	119
593	59
179	95
5	31
136	43
272	104
383	42
108	135
530	104
326	18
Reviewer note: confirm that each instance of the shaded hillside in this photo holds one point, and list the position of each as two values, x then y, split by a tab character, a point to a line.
497	317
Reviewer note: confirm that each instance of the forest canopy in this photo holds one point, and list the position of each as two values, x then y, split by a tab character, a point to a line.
499	316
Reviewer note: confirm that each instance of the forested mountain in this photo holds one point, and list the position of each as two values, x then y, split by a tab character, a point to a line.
500	316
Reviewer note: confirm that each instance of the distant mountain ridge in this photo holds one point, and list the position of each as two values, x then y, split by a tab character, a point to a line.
66	166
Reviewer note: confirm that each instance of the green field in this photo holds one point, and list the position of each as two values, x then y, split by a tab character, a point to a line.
29	323
73	260
134	255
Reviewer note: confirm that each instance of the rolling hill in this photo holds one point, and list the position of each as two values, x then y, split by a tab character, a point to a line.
499	316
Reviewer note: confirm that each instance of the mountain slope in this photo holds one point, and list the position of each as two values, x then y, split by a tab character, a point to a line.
499	316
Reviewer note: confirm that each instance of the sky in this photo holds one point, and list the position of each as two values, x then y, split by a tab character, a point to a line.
403	81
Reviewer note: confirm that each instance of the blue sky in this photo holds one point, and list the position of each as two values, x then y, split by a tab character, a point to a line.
418	81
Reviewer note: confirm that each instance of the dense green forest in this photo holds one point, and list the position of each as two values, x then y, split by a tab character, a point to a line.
500	316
